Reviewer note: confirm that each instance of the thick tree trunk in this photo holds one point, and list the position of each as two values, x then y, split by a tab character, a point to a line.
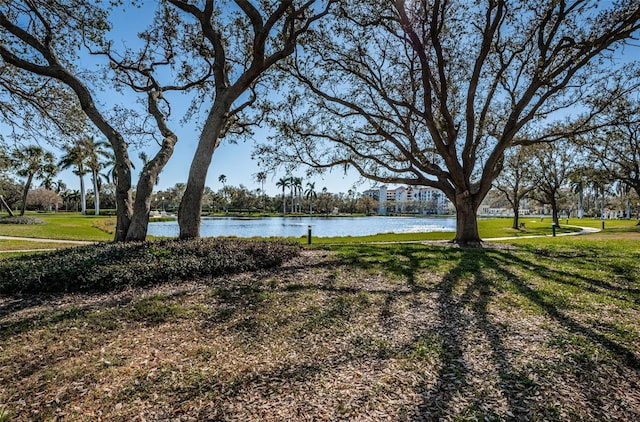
140	218
516	215
25	191
148	178
191	203
467	222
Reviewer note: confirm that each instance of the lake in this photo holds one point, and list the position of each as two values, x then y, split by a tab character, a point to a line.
297	226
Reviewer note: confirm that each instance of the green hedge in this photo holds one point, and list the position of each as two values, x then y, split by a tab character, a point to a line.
114	266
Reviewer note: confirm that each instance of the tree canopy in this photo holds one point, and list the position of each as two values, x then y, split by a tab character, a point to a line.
434	92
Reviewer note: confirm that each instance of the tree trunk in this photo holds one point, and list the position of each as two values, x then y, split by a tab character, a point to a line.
25	191
2	201
191	203
628	210
140	218
96	194
292	209
554	214
580	205
516	215
467	222
284	203
83	197
148	178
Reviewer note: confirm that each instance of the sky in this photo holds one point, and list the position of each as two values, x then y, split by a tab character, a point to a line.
232	160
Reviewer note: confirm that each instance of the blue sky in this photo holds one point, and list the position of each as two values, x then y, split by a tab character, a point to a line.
232	160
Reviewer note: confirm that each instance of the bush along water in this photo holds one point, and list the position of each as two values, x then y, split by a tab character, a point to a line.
114	266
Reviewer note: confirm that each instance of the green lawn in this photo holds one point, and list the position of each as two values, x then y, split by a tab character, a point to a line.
74	226
488	228
67	226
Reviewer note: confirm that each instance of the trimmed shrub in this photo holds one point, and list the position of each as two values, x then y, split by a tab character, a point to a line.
21	220
115	266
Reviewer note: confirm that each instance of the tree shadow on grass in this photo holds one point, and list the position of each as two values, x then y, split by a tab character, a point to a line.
504	261
464	295
467	283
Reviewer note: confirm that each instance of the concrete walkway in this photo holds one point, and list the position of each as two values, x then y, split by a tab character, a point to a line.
35	239
584	230
40	240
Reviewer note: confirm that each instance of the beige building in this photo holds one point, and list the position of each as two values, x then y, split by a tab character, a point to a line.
414	199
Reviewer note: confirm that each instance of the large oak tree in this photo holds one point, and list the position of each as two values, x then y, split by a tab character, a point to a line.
46	39
433	92
242	40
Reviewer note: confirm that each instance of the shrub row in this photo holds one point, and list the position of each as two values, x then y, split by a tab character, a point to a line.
114	266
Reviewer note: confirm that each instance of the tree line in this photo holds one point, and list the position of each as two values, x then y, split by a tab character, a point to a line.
36	187
432	93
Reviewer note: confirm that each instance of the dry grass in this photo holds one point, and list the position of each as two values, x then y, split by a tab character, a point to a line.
419	332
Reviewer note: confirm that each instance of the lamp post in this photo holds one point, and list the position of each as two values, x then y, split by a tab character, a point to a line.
163	204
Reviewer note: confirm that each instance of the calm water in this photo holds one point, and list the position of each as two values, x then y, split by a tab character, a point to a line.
297	226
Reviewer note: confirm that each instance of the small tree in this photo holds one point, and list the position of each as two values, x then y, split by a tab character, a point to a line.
366	204
517	179
552	166
44	199
32	162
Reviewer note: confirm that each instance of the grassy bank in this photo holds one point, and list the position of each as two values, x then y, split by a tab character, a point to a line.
66	226
537	329
488	229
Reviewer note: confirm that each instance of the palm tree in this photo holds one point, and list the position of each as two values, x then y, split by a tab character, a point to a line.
296	183
311	194
283	182
261	177
70	197
110	165
32	162
95	154
223	179
324	200
76	156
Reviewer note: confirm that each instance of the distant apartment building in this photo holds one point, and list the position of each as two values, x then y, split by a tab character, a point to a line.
414	199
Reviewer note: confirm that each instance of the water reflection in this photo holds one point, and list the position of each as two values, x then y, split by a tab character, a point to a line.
297	226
